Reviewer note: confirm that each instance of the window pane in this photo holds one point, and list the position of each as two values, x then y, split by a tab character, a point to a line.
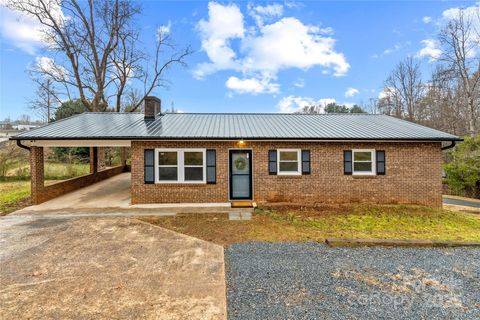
289	166
288	155
240	163
194	174
362	156
193	158
240	186
167	158
362	167
167	173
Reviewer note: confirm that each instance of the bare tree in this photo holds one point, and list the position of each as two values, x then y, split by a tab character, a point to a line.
45	100
440	104
460	42
96	47
404	89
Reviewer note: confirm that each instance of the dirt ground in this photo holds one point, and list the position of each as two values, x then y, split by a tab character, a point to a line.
106	268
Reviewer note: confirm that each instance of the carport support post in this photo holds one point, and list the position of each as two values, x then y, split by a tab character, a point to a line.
123	155
93	160
36	173
100	158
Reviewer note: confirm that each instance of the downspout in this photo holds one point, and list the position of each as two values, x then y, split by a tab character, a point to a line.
453	143
19	143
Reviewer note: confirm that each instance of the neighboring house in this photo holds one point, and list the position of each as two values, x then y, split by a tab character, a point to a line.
24	127
221	157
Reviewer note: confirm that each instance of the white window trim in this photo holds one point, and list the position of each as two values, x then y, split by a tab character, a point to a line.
181	166
374	163
299	160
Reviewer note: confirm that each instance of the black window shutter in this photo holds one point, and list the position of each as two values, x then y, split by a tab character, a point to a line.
305	161
380	156
149	166
272	162
347	162
211	166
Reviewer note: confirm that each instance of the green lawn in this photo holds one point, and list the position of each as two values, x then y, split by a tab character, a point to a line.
382	222
329	221
61	171
13	195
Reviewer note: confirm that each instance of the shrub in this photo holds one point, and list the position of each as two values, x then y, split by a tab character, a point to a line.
463	172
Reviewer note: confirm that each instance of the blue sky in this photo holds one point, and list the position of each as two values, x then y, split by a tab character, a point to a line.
260	56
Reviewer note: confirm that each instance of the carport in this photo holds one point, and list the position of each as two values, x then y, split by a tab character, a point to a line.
102	130
41	192
109	195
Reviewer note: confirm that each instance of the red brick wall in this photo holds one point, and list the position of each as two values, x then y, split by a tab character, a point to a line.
413	175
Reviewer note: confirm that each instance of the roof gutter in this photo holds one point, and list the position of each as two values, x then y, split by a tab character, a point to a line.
150	138
19	143
452	144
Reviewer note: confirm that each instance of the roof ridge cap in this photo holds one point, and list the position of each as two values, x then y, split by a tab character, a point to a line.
274	113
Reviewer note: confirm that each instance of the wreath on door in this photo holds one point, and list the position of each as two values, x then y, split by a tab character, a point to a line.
240	163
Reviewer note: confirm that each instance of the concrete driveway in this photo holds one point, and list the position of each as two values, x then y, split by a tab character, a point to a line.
104	268
456	203
111	197
112	193
459	201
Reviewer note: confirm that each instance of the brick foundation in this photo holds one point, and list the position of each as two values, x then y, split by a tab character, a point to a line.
413	175
42	193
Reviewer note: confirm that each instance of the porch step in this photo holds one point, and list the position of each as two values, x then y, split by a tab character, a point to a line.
243	204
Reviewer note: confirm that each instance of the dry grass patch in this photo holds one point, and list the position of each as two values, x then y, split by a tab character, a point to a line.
216	227
336	221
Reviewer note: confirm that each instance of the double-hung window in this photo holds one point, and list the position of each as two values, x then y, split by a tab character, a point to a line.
180	165
363	161
289	162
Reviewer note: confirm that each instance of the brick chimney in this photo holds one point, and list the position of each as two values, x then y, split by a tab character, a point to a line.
153	106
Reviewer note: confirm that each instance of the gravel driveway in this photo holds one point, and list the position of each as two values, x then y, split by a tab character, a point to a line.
314	281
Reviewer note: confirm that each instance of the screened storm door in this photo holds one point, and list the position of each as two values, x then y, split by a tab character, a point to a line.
240	168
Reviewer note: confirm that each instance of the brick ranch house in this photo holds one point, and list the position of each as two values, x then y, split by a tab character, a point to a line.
220	157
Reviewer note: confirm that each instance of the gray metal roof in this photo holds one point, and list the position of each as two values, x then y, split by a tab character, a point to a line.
224	126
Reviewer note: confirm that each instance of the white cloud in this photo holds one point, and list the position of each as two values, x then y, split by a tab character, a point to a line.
224	24
430	50
350	92
251	85
292	103
386	92
265	13
49	67
165	29
261	52
427	19
22	30
300	83
470	12
472	17
396	47
306	48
